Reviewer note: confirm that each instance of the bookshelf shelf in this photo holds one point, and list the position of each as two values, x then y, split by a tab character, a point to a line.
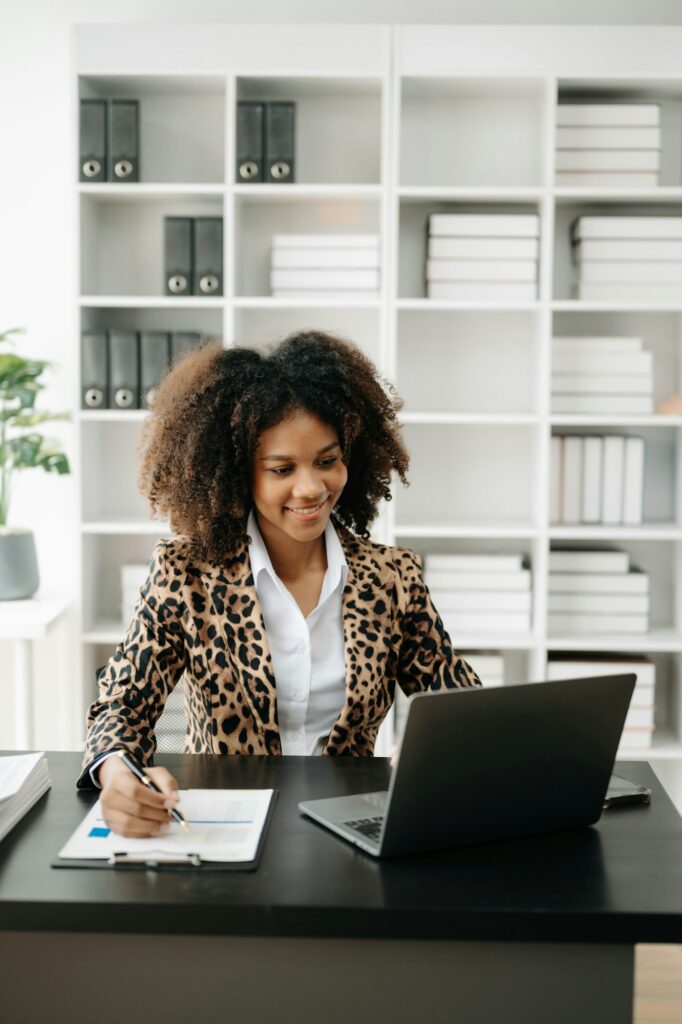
472	531
126	527
661	194
471	194
470	419
648	531
435	305
303	302
141	191
612	421
262	192
659	640
112	415
148	302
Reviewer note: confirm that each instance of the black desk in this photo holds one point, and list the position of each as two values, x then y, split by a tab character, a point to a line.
538	929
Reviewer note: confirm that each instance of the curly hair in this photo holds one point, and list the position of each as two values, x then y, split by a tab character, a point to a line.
199	441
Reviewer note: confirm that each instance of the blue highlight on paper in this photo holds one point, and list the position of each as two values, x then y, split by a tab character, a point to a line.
99	833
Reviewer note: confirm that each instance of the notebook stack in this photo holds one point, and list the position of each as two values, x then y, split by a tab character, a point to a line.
23	780
610	376
628	259
488	666
480	257
325	266
597	480
480	593
611	144
593	592
639	723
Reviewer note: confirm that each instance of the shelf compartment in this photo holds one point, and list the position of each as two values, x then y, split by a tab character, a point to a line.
262	327
103	557
471	132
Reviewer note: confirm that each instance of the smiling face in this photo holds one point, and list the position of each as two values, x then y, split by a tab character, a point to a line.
298	477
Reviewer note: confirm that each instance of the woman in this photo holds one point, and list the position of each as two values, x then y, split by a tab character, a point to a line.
291	627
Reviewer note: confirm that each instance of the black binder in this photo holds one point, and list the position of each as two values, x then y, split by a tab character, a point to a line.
124	387
94	370
250	139
279	141
154	360
182	342
208	256
124	141
178	233
92	163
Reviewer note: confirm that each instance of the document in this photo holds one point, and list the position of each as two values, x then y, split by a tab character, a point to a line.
225	827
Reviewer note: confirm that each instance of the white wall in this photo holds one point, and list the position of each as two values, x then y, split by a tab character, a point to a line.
37	263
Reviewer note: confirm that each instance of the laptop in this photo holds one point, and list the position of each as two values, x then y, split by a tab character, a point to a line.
478	765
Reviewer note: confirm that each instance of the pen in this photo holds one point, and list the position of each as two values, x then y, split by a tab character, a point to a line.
141	774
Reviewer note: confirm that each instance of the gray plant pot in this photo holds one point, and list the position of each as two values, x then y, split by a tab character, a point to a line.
18	564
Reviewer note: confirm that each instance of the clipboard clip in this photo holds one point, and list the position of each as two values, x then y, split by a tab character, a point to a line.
153	860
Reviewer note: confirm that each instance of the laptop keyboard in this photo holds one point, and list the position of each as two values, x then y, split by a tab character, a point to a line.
369	827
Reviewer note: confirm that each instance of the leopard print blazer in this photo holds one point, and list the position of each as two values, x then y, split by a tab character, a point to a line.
205	620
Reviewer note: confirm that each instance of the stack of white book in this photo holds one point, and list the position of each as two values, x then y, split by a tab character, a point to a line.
23	780
608	144
628	258
597	480
325	266
480	593
482	256
639	723
488	666
602	376
596	592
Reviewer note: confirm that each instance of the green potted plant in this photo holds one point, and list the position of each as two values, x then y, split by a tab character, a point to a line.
21	447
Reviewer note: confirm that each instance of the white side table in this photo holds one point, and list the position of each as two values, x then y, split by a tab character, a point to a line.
23	622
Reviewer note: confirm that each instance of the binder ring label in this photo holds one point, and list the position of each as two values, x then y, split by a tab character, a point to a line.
208	283
123	398
248	170
93	398
123	169
91	168
177	284
280	170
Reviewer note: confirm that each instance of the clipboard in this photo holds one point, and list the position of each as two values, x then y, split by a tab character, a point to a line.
164	862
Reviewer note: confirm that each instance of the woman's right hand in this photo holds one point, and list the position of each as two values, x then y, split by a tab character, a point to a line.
131	808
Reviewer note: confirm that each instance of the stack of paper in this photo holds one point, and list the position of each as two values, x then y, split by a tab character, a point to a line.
480	256
613	144
23	780
596	592
628	258
639	723
598	480
325	266
480	593
488	666
602	375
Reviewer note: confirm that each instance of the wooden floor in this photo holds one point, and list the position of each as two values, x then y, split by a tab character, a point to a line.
658	985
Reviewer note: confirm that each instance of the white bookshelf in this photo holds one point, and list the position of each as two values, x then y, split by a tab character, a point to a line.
392	125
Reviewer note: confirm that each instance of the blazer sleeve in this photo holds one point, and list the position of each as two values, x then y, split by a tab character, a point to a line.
426	659
142	672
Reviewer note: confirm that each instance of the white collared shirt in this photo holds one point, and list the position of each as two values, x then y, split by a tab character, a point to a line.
307	653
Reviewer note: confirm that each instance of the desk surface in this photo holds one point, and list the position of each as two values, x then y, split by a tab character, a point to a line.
620	881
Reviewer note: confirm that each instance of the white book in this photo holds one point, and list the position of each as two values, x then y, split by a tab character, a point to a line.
661	293
633	481
638	717
606	179
560	666
633	582
600	604
485	623
626	271
602	383
607	114
571	481
603	405
589	561
331	240
601	137
633	249
24	778
481	270
320	258
607	160
577	623
611	362
481	291
486	225
612	480
473	563
324	279
556	457
476	600
591	482
594	344
450	579
635	739
483	248
632	226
